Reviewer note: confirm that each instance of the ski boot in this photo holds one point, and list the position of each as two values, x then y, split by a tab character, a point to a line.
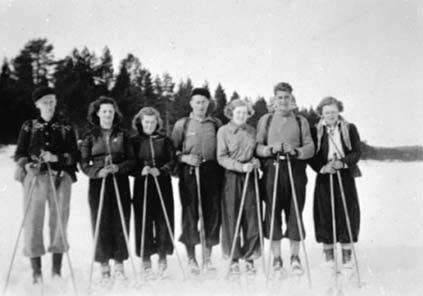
296	266
250	268
57	265
37	277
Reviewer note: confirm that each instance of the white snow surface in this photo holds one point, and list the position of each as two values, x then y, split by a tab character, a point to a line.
389	251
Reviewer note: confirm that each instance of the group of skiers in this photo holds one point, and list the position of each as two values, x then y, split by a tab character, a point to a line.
228	175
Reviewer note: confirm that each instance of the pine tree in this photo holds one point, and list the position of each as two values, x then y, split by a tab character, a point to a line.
260	108
220	97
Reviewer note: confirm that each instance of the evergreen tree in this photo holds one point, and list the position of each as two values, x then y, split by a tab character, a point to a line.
260	108
220	98
234	96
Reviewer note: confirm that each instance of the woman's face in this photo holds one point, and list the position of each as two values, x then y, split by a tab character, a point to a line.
106	114
330	114
240	115
149	124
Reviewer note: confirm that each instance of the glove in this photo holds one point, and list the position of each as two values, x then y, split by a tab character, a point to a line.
337	165
103	173
191	159
145	171
327	169
276	148
47	156
113	168
287	148
256	163
155	172
32	168
247	167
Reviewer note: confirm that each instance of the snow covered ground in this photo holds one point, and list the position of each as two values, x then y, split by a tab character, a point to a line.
390	248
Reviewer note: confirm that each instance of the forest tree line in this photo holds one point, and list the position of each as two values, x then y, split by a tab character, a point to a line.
83	75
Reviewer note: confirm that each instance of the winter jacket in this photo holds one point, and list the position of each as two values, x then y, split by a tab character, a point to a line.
55	136
95	150
155	151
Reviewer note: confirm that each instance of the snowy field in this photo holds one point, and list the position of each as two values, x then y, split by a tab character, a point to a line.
389	252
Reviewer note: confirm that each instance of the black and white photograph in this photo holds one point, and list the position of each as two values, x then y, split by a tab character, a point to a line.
228	147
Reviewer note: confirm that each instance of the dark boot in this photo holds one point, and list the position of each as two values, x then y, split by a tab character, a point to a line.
346	256
36	270
57	264
329	255
190	252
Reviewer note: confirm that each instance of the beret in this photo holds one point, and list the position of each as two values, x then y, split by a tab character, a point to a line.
42	91
201	91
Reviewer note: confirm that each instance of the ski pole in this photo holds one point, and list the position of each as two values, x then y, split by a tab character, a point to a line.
334	236
27	207
201	217
347	217
144	213
272	219
260	225
297	212
61	228
169	228
119	203
238	220
97	225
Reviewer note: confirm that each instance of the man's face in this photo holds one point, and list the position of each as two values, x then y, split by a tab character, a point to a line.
283	101
47	105
199	105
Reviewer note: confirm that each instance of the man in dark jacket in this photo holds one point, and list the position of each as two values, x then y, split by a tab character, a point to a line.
43	142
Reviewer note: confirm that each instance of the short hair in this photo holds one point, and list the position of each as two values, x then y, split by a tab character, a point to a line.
202	92
329	101
271	105
95	106
230	107
282	86
146	111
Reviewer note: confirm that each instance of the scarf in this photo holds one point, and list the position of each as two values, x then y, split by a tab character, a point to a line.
343	126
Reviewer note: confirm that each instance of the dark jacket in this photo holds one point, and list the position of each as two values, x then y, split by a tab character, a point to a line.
352	156
55	136
94	151
162	156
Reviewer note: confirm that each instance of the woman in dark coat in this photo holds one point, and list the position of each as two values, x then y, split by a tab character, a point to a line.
106	150
337	149
236	143
155	157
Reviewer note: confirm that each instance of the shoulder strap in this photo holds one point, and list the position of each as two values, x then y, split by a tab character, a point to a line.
184	131
267	125
298	118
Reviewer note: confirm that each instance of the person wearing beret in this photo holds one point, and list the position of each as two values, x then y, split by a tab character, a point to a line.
337	149
46	140
194	138
236	143
282	134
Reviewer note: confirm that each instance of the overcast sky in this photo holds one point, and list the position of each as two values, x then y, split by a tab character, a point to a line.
367	53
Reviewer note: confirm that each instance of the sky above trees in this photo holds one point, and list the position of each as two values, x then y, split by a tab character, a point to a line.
366	53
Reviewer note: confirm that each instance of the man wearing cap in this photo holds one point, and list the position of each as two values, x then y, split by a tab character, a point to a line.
45	141
281	133
195	140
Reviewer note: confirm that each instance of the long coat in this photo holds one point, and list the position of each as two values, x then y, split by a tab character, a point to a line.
154	151
94	152
322	205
